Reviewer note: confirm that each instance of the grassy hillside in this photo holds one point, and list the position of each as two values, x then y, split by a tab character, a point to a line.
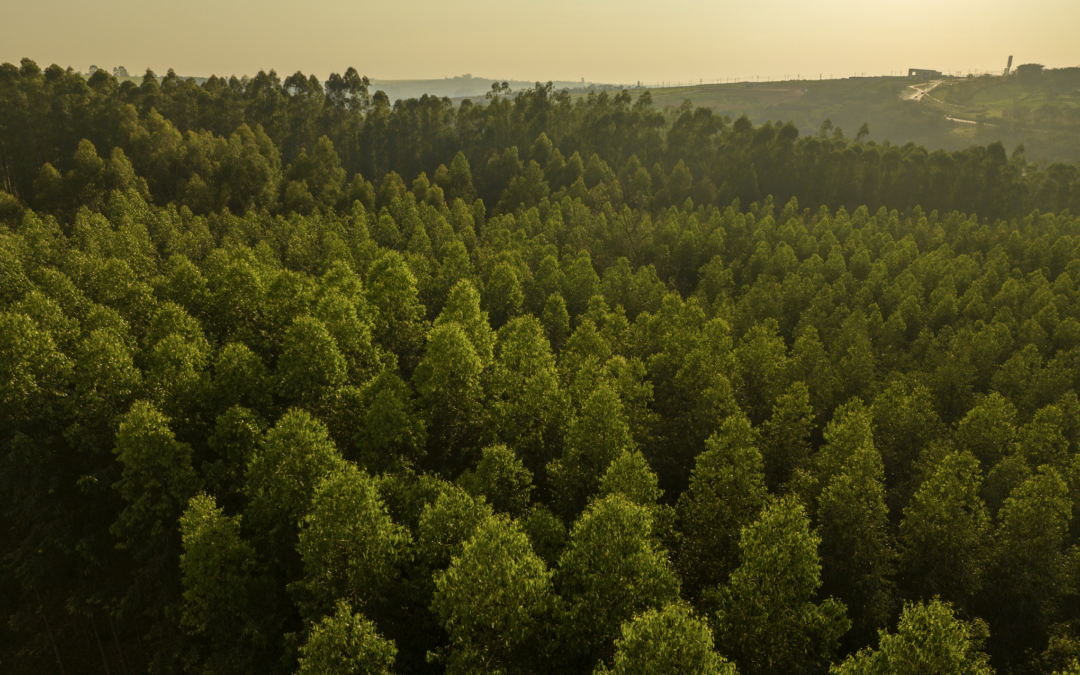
1045	101
759	99
1040	112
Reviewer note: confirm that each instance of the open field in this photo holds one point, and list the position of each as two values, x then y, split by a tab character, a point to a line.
729	98
744	97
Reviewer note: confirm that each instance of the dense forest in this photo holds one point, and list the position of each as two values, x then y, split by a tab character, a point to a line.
296	381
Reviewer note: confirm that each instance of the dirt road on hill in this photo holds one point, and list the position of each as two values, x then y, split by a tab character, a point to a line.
921	90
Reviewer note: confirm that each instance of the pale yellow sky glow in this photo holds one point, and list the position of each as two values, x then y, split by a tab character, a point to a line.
599	40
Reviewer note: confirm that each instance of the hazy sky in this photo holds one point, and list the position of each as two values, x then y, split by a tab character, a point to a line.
601	40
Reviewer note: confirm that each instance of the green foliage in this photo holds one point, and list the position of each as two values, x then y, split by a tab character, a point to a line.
241	378
726	493
671	640
446	524
463	307
526	402
611	569
31	369
281	293
494	601
106	378
345	319
390	431
235	439
629	475
945	531
849	436
1028	566
177	377
501	479
988	430
344	642
556	320
768	621
502	294
857	546
399	316
351	548
761	358
296	455
220	580
596	437
157	478
448	382
905	422
310	361
929	639
546	532
786	436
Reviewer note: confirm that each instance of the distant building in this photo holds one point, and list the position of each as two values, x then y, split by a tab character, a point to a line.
924	74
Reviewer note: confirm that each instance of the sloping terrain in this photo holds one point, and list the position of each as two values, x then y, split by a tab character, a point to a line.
1042	113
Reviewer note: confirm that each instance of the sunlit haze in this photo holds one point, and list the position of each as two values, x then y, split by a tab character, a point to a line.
599	40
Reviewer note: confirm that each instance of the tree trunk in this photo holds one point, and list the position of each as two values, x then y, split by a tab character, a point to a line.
48	629
104	660
116	641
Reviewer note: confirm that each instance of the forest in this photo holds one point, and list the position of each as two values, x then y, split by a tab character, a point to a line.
294	380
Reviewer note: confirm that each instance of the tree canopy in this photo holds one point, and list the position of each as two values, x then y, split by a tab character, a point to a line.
296	380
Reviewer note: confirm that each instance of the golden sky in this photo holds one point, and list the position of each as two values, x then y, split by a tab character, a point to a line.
600	40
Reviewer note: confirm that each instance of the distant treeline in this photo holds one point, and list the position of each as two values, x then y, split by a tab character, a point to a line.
258	143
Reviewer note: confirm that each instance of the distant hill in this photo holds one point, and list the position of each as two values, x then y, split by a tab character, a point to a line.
1039	110
1040	99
